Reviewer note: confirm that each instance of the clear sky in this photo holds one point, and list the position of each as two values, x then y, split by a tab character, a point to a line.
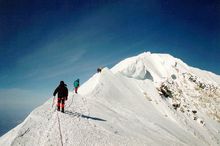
45	41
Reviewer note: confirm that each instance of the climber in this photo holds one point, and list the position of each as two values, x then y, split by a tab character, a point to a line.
76	85
62	95
99	70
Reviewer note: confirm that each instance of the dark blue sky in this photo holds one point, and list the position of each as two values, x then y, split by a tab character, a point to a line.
45	41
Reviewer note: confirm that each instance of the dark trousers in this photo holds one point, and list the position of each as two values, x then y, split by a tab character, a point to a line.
60	103
76	89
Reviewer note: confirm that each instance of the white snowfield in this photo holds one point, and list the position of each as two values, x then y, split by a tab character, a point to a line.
126	105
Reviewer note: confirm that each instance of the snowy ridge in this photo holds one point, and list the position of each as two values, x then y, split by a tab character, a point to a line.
149	99
159	67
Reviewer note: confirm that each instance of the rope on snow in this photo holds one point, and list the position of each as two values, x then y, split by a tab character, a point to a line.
61	137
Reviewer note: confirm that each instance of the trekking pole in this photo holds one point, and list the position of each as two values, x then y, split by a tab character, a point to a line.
53	101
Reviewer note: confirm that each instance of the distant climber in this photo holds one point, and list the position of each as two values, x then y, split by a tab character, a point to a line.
62	95
76	85
99	70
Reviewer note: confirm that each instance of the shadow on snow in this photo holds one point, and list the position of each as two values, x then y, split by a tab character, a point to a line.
83	116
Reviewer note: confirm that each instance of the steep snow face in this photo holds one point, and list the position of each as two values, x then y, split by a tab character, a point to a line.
127	106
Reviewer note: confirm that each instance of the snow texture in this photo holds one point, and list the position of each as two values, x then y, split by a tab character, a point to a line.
149	99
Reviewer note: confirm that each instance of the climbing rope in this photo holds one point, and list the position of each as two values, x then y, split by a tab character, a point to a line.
65	105
61	137
70	103
58	119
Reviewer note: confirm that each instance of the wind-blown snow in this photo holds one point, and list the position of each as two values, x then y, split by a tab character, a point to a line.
126	105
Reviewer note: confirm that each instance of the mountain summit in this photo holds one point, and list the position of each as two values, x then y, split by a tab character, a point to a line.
149	99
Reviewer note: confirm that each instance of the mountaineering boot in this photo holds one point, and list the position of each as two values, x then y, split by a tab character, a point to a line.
62	110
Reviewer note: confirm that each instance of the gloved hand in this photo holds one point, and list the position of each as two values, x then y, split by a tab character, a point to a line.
66	98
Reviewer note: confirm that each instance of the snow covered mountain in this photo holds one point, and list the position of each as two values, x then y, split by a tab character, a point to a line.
149	99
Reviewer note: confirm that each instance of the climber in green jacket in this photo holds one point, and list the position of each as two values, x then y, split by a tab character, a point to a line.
76	85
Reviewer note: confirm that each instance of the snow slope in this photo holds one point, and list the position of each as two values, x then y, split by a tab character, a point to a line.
126	105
